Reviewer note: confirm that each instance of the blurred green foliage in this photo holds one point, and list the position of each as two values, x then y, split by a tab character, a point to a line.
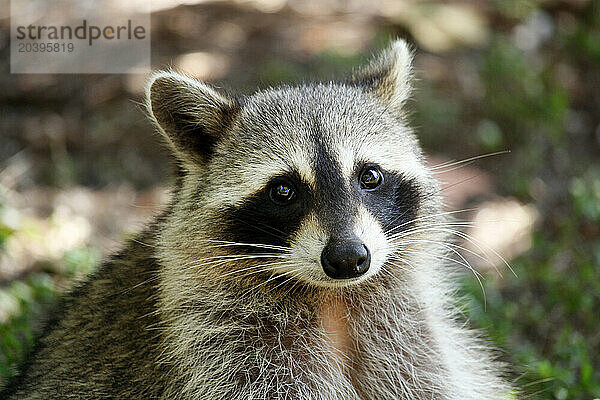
23	303
546	319
25	300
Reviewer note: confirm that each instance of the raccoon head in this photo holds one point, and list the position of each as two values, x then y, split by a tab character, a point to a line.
312	184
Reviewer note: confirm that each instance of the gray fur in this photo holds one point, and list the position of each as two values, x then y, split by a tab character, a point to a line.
181	314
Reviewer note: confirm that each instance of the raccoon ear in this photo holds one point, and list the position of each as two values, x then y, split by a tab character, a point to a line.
388	76
190	114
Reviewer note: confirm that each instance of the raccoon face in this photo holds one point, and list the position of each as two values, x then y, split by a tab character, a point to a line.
318	180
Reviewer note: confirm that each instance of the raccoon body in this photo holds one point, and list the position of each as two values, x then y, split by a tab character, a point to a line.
301	257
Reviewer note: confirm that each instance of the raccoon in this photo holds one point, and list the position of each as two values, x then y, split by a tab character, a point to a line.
301	257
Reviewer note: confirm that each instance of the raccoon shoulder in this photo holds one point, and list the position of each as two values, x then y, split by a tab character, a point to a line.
100	335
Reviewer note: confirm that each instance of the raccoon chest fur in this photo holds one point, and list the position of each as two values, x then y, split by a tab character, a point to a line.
329	348
365	344
334	316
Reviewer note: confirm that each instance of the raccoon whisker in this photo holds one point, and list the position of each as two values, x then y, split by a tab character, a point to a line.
386	270
279	263
451	247
256	245
187	264
404	261
471	240
140	284
275	276
412	230
283	234
303	288
426	217
393	264
226	243
228	260
274	252
470	178
277	251
255	269
236	257
292	275
534	395
464	162
221	241
459	224
258	271
476	243
143	243
292	278
435	227
536	382
463	263
280	235
461	248
220	260
399	218
442	228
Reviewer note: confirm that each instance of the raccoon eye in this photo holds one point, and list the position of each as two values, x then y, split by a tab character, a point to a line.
282	193
370	178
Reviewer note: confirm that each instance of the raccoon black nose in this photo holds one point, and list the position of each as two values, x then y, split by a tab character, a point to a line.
344	259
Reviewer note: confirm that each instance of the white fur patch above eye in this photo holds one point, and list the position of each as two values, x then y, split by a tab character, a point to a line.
399	158
234	188
302	164
347	159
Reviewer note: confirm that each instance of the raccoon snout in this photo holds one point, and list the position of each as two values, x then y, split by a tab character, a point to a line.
345	258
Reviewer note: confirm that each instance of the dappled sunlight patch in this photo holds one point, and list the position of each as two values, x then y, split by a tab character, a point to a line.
501	229
203	65
48	227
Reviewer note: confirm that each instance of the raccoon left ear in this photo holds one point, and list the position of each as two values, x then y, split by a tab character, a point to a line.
191	115
388	76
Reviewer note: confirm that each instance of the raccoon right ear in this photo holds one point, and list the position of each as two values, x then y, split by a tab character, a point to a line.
388	76
190	114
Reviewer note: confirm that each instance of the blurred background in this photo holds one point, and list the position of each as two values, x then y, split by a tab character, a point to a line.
81	168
